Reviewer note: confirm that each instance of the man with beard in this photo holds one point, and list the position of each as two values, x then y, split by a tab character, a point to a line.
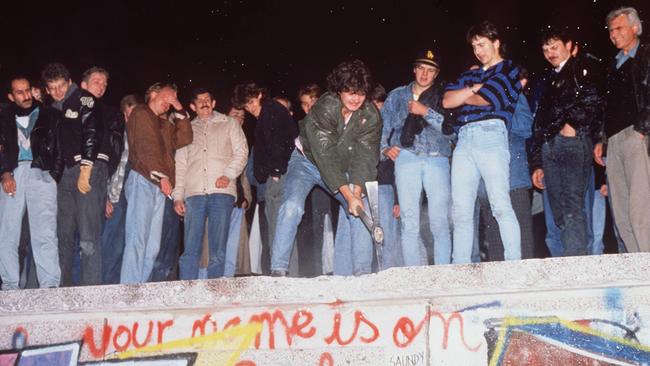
28	135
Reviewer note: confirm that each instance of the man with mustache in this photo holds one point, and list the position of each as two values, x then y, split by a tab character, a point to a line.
567	123
206	175
27	131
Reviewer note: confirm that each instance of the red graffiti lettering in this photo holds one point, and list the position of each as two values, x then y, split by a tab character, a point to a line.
245	363
89	340
232	323
161	329
296	328
326	360
135	335
118	334
358	319
407	329
199	325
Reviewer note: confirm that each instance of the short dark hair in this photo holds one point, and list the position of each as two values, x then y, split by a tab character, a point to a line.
55	71
130	100
9	85
350	76
488	30
157	87
312	90
378	94
556	32
198	91
244	92
95	69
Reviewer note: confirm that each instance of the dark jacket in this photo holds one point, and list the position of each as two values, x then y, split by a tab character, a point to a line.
573	96
638	69
80	132
42	138
275	133
343	153
112	141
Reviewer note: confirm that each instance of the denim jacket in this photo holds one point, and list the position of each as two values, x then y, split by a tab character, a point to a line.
519	130
430	142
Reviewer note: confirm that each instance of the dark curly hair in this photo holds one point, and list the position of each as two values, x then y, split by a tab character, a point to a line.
350	76
55	71
244	92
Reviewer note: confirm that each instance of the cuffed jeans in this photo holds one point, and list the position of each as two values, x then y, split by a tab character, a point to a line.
36	192
217	208
144	218
567	164
482	152
301	177
412	174
82	213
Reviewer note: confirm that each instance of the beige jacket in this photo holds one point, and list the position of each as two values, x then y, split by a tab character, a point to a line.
218	149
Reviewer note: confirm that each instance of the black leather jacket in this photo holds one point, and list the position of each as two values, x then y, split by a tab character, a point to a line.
574	96
42	138
80	133
275	133
112	142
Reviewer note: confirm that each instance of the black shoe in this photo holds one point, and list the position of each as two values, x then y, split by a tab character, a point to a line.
278	273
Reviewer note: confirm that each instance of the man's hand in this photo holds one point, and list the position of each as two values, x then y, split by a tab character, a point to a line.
108	211
165	186
598	154
418	108
603	190
392	152
83	183
8	183
396	211
244	204
642	135
568	131
179	207
222	182
355	205
172	99
538	178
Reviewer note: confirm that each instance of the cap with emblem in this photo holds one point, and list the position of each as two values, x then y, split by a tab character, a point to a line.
428	57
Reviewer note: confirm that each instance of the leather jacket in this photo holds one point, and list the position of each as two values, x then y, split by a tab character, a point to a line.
112	142
42	138
574	96
80	131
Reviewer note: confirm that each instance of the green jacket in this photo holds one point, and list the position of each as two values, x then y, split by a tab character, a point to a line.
343	154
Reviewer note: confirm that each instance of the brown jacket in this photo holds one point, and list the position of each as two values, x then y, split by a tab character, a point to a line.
153	141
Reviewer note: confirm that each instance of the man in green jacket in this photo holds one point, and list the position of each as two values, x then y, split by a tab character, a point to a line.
338	150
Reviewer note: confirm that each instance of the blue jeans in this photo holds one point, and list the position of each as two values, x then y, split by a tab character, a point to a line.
35	192
482	152
392	250
302	175
217	208
144	219
552	239
412	174
168	254
113	241
568	171
598	223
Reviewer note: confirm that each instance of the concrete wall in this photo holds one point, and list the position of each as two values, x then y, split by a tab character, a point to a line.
566	311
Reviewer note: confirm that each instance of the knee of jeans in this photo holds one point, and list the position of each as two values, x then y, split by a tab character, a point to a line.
462	214
410	221
292	208
502	211
87	247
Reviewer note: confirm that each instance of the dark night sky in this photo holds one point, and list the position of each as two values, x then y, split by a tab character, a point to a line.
281	44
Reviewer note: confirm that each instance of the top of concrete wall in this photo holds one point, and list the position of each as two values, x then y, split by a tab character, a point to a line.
403	283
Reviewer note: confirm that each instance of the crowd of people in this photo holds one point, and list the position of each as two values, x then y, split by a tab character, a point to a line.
92	194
